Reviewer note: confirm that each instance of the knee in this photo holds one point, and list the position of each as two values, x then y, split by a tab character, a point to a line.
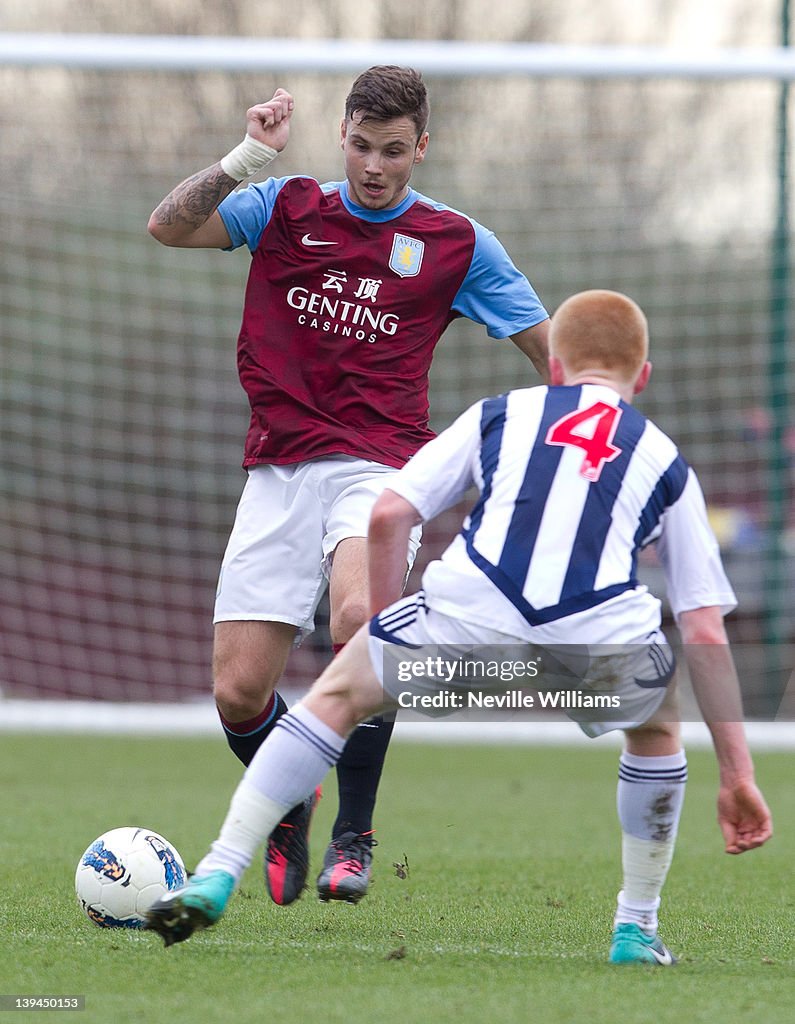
248	659
239	691
656	739
349	615
348	691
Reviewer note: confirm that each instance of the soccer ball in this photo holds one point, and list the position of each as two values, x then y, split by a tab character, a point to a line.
123	872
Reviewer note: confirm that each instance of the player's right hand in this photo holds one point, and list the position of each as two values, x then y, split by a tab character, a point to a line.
743	816
270	122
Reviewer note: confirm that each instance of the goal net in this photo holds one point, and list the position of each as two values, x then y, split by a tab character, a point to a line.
122	419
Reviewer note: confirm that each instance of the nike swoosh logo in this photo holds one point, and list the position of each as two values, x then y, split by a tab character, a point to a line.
663	958
307	240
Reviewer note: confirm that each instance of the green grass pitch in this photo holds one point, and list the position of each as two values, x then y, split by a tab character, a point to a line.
504	913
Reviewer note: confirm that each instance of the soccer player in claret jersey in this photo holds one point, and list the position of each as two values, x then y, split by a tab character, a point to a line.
573	482
351	286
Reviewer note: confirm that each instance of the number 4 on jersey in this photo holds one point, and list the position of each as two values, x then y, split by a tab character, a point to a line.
593	430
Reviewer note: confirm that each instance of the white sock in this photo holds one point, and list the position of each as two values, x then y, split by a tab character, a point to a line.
640	912
250	819
286	769
295	758
649	800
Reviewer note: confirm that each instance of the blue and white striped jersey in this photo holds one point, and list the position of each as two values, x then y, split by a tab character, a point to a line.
573	483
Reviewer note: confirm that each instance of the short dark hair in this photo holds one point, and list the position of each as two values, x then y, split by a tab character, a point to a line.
387	91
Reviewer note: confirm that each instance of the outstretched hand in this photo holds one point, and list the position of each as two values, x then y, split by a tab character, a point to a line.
270	122
743	816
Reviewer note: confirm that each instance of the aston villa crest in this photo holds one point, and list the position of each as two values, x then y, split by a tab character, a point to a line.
406	256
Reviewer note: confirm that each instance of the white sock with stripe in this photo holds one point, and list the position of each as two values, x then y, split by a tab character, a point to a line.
649	799
288	766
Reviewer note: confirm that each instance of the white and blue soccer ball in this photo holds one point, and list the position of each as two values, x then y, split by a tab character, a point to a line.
123	872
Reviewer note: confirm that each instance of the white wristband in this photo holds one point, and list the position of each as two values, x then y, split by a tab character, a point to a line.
247	158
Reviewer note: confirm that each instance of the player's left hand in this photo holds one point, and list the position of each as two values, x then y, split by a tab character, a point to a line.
743	816
270	122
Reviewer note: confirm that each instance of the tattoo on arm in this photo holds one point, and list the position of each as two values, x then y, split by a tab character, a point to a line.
194	199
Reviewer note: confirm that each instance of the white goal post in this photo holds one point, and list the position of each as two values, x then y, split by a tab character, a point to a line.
435	58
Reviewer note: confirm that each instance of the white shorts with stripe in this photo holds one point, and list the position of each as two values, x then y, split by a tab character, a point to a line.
289	522
634	676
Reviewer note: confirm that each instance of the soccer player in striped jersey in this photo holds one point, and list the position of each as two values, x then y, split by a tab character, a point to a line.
572	482
352	283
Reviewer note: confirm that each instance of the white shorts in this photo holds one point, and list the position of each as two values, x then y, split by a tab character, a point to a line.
289	522
413	648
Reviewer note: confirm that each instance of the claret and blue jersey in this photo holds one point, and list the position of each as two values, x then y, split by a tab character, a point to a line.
344	307
573	483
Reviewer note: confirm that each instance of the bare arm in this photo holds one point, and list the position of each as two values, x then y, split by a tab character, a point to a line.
743	815
534	342
391	522
188	217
